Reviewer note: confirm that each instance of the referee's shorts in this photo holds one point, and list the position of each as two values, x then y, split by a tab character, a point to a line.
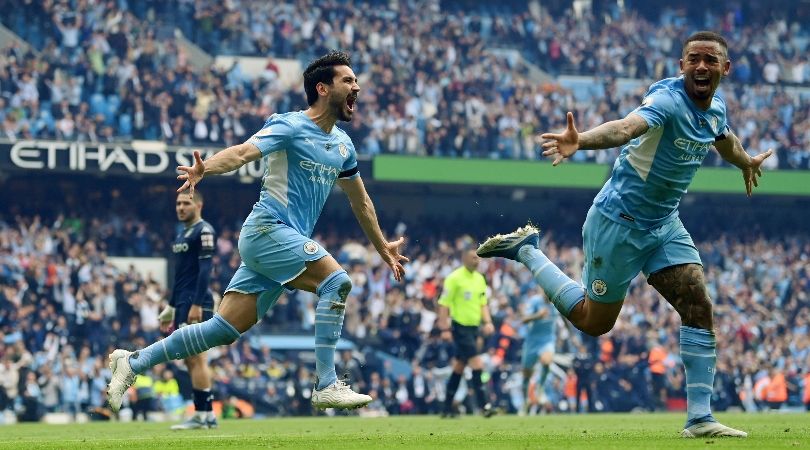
465	340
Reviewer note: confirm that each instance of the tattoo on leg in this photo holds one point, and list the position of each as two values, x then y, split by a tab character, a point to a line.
343	292
684	287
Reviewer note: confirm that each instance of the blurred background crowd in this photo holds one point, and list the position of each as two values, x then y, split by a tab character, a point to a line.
439	78
63	308
458	82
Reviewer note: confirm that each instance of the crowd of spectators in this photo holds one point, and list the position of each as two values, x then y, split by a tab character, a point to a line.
64	307
109	71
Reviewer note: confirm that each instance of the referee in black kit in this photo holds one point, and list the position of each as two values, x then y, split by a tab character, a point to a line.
464	300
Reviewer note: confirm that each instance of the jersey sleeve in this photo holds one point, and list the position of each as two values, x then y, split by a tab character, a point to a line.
656	108
349	169
448	291
274	135
482	299
724	128
208	242
532	307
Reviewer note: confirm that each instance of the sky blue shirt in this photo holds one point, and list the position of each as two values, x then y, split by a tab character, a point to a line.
541	329
653	171
303	163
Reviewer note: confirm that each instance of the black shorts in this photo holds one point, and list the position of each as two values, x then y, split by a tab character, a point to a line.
465	339
182	305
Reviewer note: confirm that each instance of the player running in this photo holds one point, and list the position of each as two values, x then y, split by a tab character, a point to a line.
539	343
305	154
633	225
191	300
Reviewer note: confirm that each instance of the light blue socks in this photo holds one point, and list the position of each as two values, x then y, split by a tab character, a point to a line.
544	370
563	292
184	342
329	323
699	359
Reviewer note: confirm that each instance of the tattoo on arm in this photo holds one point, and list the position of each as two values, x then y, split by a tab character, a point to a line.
614	133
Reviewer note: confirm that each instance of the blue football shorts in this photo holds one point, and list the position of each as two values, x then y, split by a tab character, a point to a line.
272	256
615	253
532	349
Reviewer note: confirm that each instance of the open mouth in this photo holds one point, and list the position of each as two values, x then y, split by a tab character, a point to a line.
702	82
350	102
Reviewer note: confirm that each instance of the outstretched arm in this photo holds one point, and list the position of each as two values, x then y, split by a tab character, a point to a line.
536	316
224	161
366	215
608	135
731	150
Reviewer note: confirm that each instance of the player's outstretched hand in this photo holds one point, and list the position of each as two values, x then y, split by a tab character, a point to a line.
192	175
752	173
561	145
393	258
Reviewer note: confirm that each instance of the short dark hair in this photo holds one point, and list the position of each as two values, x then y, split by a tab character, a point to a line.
322	70
197	196
706	36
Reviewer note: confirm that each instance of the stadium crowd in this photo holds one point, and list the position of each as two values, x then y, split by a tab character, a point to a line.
109	71
64	306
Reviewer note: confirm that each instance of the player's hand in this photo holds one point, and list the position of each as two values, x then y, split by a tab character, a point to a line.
192	174
166	319
390	254
488	329
561	145
754	171
194	314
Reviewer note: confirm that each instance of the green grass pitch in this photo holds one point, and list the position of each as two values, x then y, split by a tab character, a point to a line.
598	432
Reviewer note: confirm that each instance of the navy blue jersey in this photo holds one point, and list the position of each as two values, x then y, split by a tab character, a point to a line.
193	248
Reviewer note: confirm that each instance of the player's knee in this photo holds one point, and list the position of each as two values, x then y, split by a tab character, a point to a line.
596	329
338	283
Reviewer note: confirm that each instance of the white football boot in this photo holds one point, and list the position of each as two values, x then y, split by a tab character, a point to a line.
338	395
711	429
122	378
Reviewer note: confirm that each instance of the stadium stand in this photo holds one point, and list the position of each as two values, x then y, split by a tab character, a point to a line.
63	307
114	71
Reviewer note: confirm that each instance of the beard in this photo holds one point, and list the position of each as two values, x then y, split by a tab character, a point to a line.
340	108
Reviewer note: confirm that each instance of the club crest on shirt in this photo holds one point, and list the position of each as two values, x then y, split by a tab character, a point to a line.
310	247
344	152
599	287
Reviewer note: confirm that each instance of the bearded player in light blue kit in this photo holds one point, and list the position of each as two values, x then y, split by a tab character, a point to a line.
305	154
633	225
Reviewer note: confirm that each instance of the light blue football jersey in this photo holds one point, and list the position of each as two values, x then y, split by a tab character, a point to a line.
302	165
541	329
653	171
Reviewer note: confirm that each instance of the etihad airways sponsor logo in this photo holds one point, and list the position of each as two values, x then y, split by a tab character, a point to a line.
692	150
320	172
